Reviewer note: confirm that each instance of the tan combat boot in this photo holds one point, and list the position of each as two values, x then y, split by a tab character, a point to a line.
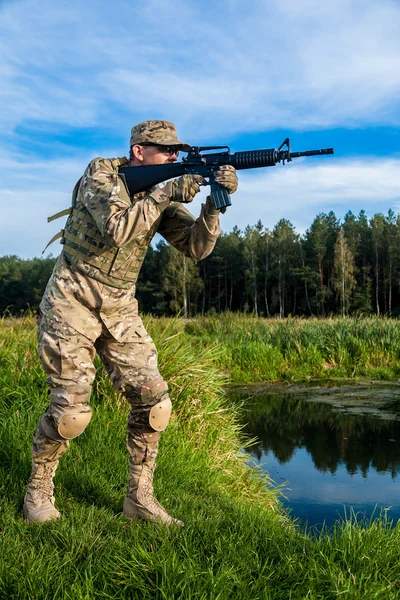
140	502
39	500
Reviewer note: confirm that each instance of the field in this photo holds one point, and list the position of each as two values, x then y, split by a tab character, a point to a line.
237	541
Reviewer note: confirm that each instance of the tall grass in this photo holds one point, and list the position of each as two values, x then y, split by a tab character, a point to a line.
236	543
294	349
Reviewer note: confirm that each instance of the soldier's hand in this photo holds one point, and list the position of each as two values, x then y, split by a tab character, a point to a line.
184	188
226	176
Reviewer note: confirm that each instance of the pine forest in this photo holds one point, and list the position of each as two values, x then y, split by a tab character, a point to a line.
348	267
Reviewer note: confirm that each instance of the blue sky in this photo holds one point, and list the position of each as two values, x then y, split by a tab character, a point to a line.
75	77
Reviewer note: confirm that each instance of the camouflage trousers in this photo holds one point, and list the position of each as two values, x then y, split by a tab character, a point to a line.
67	360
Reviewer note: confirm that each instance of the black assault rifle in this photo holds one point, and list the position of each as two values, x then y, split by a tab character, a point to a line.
139	179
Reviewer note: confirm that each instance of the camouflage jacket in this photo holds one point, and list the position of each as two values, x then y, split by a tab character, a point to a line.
108	233
87	292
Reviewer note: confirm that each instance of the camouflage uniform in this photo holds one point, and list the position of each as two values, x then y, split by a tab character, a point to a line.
89	306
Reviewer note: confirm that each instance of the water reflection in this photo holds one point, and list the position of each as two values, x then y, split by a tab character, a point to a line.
334	445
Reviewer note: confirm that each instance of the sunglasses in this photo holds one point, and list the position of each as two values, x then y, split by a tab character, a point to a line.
167	150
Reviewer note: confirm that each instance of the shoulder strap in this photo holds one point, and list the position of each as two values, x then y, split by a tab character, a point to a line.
118	162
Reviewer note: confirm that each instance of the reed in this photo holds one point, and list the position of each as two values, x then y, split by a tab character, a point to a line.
254	349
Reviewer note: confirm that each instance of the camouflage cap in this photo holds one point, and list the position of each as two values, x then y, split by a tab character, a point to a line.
162	133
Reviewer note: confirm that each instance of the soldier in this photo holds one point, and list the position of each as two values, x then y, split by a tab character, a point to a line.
89	306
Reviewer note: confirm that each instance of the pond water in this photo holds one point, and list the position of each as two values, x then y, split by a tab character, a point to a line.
333	447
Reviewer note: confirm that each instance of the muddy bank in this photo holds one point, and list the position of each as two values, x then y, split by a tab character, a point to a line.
381	399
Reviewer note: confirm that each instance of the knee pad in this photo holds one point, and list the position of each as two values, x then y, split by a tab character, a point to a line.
145	419
65	423
151	405
160	414
67	416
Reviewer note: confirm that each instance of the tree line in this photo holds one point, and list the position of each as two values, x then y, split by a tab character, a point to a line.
335	267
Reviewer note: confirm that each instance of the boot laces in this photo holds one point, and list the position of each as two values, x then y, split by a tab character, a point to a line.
148	488
44	485
148	493
48	485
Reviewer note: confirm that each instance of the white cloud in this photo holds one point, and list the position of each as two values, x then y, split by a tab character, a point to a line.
294	64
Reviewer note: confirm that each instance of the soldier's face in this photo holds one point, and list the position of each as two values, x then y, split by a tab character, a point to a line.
153	155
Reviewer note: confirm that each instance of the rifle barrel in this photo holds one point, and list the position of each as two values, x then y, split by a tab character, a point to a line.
312	152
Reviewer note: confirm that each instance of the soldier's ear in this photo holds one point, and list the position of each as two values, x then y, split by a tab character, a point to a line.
137	152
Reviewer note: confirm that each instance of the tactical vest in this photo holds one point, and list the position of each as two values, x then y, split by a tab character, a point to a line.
83	242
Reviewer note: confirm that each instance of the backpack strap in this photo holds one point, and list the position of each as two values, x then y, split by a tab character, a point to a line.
63	213
54	238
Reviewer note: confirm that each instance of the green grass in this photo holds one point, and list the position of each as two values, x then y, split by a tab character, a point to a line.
255	349
237	542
